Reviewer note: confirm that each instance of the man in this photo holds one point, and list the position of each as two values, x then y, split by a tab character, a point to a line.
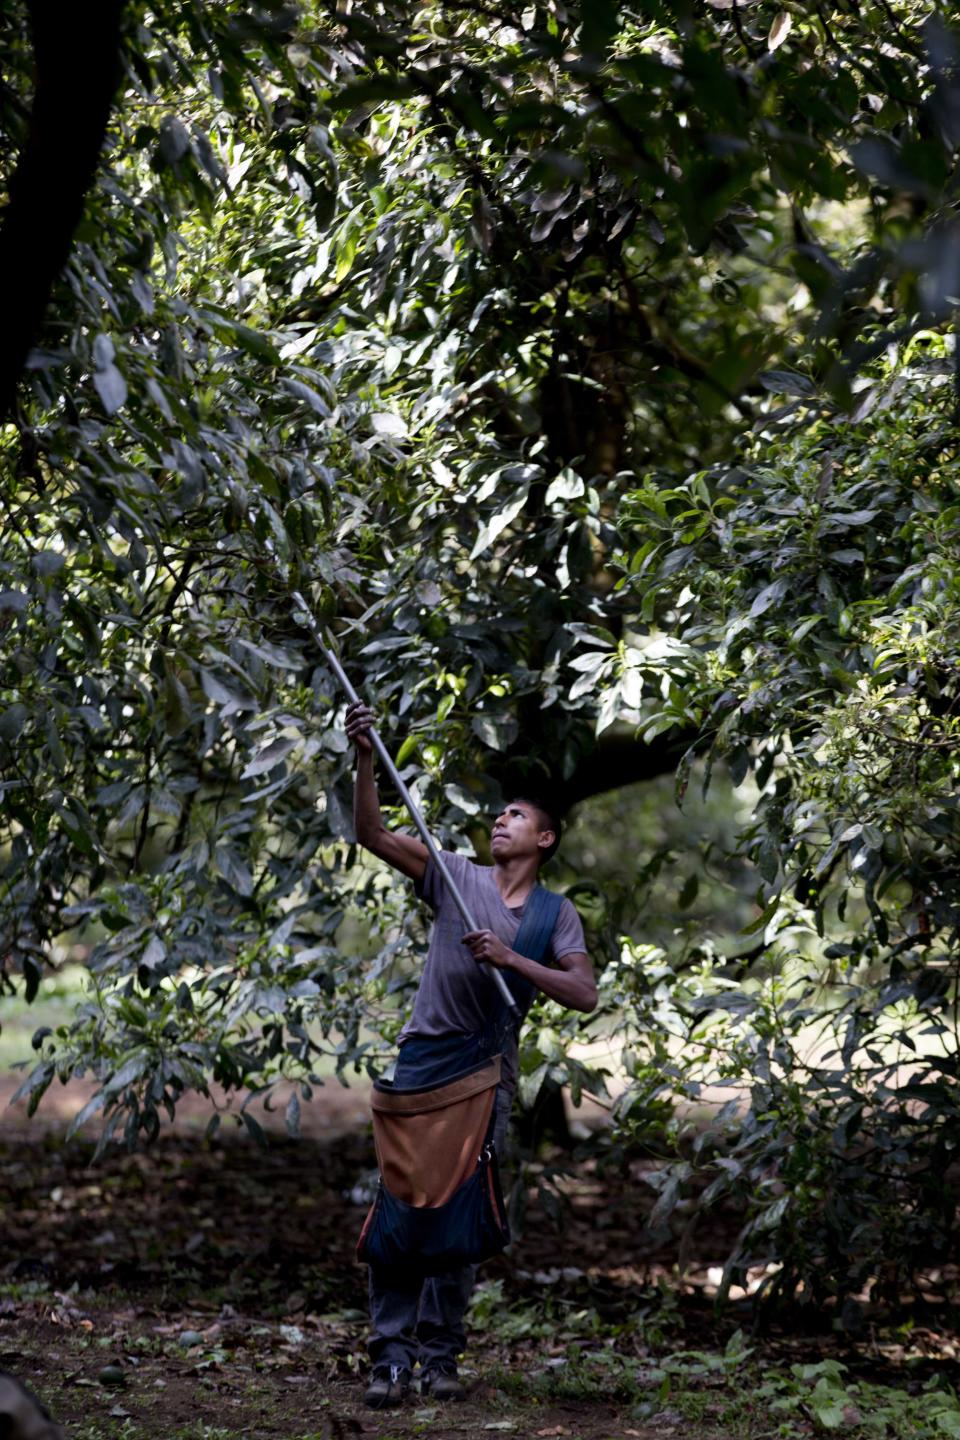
421	1319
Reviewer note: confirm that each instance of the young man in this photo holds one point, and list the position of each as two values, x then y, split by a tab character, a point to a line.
458	1004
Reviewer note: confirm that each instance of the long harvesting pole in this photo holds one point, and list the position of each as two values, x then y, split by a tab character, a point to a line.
384	756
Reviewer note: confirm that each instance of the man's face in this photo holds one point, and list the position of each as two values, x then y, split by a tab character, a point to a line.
518	831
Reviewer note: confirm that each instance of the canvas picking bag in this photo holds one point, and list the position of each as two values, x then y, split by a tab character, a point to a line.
439	1203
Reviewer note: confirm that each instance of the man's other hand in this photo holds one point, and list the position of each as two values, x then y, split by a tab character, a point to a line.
359	719
487	948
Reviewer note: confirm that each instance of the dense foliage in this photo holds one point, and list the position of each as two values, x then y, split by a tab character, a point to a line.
813	610
434	312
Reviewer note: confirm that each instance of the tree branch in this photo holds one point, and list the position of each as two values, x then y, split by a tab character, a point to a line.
621	759
617	759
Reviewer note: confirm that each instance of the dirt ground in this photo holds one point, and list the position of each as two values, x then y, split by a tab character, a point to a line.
209	1290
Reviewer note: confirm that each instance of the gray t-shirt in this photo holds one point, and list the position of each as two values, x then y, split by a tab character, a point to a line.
456	995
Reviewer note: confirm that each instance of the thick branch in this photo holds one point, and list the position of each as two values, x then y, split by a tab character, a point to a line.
76	52
621	759
618	759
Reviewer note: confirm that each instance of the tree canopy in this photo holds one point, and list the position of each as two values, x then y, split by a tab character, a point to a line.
590	368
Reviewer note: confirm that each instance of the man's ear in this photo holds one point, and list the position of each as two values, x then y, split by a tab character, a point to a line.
545	844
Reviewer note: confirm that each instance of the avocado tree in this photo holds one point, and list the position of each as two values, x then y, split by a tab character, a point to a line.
809	594
427	312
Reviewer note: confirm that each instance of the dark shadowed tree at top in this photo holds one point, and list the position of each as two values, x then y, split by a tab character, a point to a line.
59	134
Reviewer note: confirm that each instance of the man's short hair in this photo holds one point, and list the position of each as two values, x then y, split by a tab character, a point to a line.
549	820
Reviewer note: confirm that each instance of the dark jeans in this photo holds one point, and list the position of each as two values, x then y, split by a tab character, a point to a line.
421	1317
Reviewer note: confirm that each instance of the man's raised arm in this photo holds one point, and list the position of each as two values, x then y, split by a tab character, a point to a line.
404	852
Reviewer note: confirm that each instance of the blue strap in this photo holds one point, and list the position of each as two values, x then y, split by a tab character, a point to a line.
539	918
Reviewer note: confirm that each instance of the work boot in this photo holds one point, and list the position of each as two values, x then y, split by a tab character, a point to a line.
441	1382
388	1386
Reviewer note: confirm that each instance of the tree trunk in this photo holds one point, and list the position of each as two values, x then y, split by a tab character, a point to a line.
77	60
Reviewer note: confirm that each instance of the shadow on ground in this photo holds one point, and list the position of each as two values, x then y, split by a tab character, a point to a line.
209	1289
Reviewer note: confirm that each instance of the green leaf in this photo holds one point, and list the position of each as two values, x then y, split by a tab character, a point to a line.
689	891
787	382
174	141
91	1108
385	422
948	1423
48	563
462	798
128	1073
226	695
499	732
779	30
346	254
408	748
269	756
829	1414
252	341
763	920
36	1082
292	1116
805	627
852	517
770	595
111	387
12	721
254	1129
568	485
304	392
659	725
497	523
847	557
234	871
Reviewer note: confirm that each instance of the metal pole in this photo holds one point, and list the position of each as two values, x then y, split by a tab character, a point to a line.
408	800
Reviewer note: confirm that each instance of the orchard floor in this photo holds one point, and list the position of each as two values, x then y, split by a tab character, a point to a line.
208	1290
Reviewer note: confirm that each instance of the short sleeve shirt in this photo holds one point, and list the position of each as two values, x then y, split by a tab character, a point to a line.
457	996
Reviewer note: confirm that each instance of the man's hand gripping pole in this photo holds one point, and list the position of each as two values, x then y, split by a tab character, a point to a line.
381	750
